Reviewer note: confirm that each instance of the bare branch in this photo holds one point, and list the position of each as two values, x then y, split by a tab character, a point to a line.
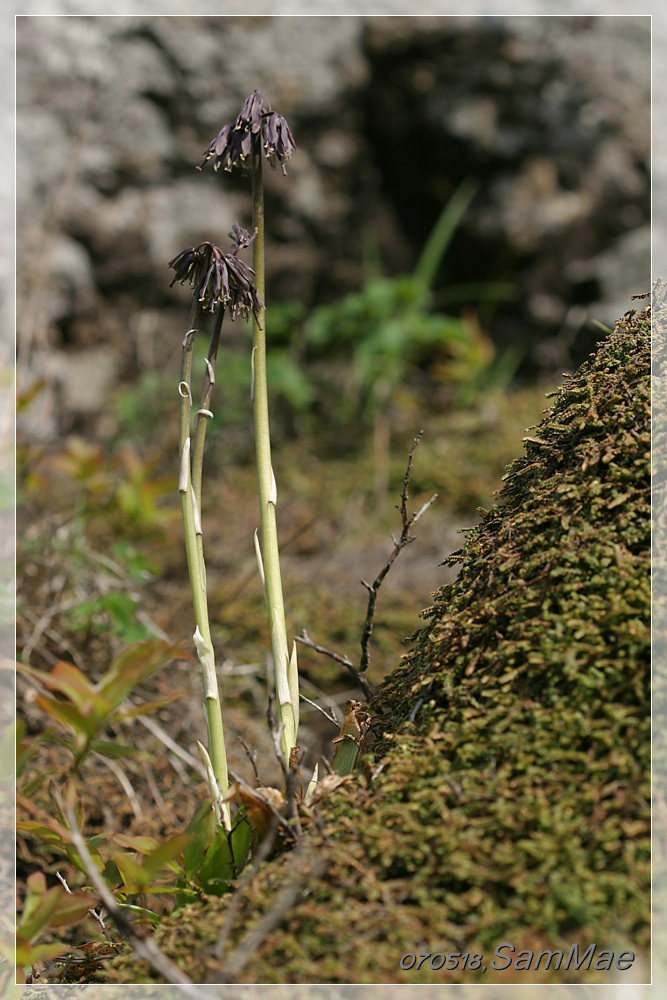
144	947
41	626
407	521
291	777
164	738
347	663
281	822
97	916
252	757
329	718
301	876
422	510
124	782
324	698
265	848
406	480
399	545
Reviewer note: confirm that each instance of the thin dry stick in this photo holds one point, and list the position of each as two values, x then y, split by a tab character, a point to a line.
359	673
252	757
124	782
281	822
263	852
97	916
166	739
324	699
329	718
301	879
155	792
344	660
42	627
144	947
404	540
291	777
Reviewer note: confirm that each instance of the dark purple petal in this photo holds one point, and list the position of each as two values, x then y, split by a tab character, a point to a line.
249	118
271	131
218	278
220	142
246	144
278	140
240	237
232	146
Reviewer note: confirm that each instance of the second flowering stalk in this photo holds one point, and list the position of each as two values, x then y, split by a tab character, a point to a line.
255	134
268	557
221	283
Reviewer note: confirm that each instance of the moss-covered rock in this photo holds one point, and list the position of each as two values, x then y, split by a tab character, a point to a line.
509	800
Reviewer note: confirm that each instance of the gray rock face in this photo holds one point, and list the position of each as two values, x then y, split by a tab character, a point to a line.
389	114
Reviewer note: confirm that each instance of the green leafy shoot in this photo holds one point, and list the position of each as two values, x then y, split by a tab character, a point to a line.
213	856
86	708
45	909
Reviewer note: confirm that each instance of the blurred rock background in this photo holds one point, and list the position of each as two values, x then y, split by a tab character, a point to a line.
550	115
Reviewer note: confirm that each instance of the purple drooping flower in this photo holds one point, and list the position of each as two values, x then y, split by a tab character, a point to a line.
232	145
231	148
240	237
218	279
249	117
278	140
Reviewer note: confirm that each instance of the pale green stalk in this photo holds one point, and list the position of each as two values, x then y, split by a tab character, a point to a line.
284	665
190	508
204	414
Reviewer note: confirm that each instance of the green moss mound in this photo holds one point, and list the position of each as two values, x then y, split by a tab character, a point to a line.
509	799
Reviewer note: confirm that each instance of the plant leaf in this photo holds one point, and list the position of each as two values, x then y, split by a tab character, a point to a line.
69	716
67	680
54	833
27	954
50	907
202	830
134	665
137	876
148	707
217	871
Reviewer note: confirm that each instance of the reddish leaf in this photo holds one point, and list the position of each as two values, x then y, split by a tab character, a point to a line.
67	715
135	664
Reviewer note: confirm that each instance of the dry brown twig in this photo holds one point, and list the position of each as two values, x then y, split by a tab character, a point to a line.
262	853
305	639
144	947
42	627
330	718
300	876
124	782
265	802
408	521
323	698
252	757
405	539
291	774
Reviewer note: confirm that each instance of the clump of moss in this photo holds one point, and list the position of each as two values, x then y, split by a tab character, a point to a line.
510	796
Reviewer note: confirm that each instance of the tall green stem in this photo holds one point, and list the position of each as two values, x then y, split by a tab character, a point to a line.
190	509
284	666
204	413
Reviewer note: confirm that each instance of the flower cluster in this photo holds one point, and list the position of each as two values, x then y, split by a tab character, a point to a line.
233	143
278	140
240	237
219	278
